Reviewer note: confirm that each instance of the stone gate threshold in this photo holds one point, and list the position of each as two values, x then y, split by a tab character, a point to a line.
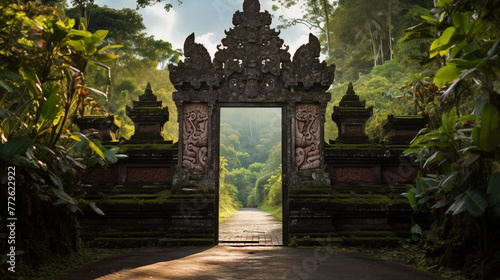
251	227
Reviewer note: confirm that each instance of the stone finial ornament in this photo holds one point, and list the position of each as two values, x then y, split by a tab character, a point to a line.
148	117
350	117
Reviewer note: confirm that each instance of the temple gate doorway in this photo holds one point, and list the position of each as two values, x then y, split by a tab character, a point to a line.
251	160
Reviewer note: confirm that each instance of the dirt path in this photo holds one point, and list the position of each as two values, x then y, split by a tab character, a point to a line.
244	263
251	226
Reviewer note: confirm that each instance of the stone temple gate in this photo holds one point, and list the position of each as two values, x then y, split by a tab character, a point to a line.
166	193
252	68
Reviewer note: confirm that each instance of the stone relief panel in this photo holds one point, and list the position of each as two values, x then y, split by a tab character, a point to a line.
307	136
195	136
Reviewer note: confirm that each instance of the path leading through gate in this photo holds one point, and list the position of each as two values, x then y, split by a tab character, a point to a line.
251	226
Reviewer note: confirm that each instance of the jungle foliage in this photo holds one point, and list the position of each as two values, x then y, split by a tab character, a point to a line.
43	155
459	152
143	59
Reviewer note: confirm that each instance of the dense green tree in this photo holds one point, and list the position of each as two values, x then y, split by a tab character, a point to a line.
316	15
142	59
460	151
42	80
228	202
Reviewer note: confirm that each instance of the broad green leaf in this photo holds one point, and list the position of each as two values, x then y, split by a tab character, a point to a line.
493	50
412	200
480	103
96	209
57	182
430	19
426	25
51	107
447	182
458	206
15	146
449	120
467	118
96	149
461	22
431	183
466	64
6	86
424	199
489	133
109	47
443	4
477	26
110	155
457	48
433	158
416	229
77	45
493	190
98	36
446	74
440	204
475	202
31	79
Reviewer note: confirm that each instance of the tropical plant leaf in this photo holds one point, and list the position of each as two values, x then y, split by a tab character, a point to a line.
110	155
96	209
447	182
440	204
96	149
15	146
446	74
458	206
489	133
493	190
475	202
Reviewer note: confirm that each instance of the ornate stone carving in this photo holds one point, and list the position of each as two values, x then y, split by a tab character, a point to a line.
195	69
195	136
307	136
306	70
252	65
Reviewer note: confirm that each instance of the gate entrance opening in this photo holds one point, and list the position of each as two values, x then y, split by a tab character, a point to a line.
250	176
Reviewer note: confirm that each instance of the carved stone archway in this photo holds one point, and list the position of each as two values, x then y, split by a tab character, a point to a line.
252	68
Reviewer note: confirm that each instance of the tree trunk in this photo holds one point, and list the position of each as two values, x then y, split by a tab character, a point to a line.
325	7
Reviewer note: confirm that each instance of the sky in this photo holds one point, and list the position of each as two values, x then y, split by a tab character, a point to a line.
207	19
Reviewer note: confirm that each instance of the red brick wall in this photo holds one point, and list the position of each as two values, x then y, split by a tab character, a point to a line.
148	174
353	174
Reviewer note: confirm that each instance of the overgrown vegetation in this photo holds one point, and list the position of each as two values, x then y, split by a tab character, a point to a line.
44	87
459	151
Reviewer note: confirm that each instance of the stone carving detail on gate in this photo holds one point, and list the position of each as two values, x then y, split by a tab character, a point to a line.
307	136
195	136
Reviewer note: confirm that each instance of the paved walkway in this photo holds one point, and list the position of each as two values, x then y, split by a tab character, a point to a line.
244	263
251	226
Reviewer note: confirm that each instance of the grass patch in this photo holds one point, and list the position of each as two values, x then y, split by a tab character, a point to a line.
227	208
275	210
